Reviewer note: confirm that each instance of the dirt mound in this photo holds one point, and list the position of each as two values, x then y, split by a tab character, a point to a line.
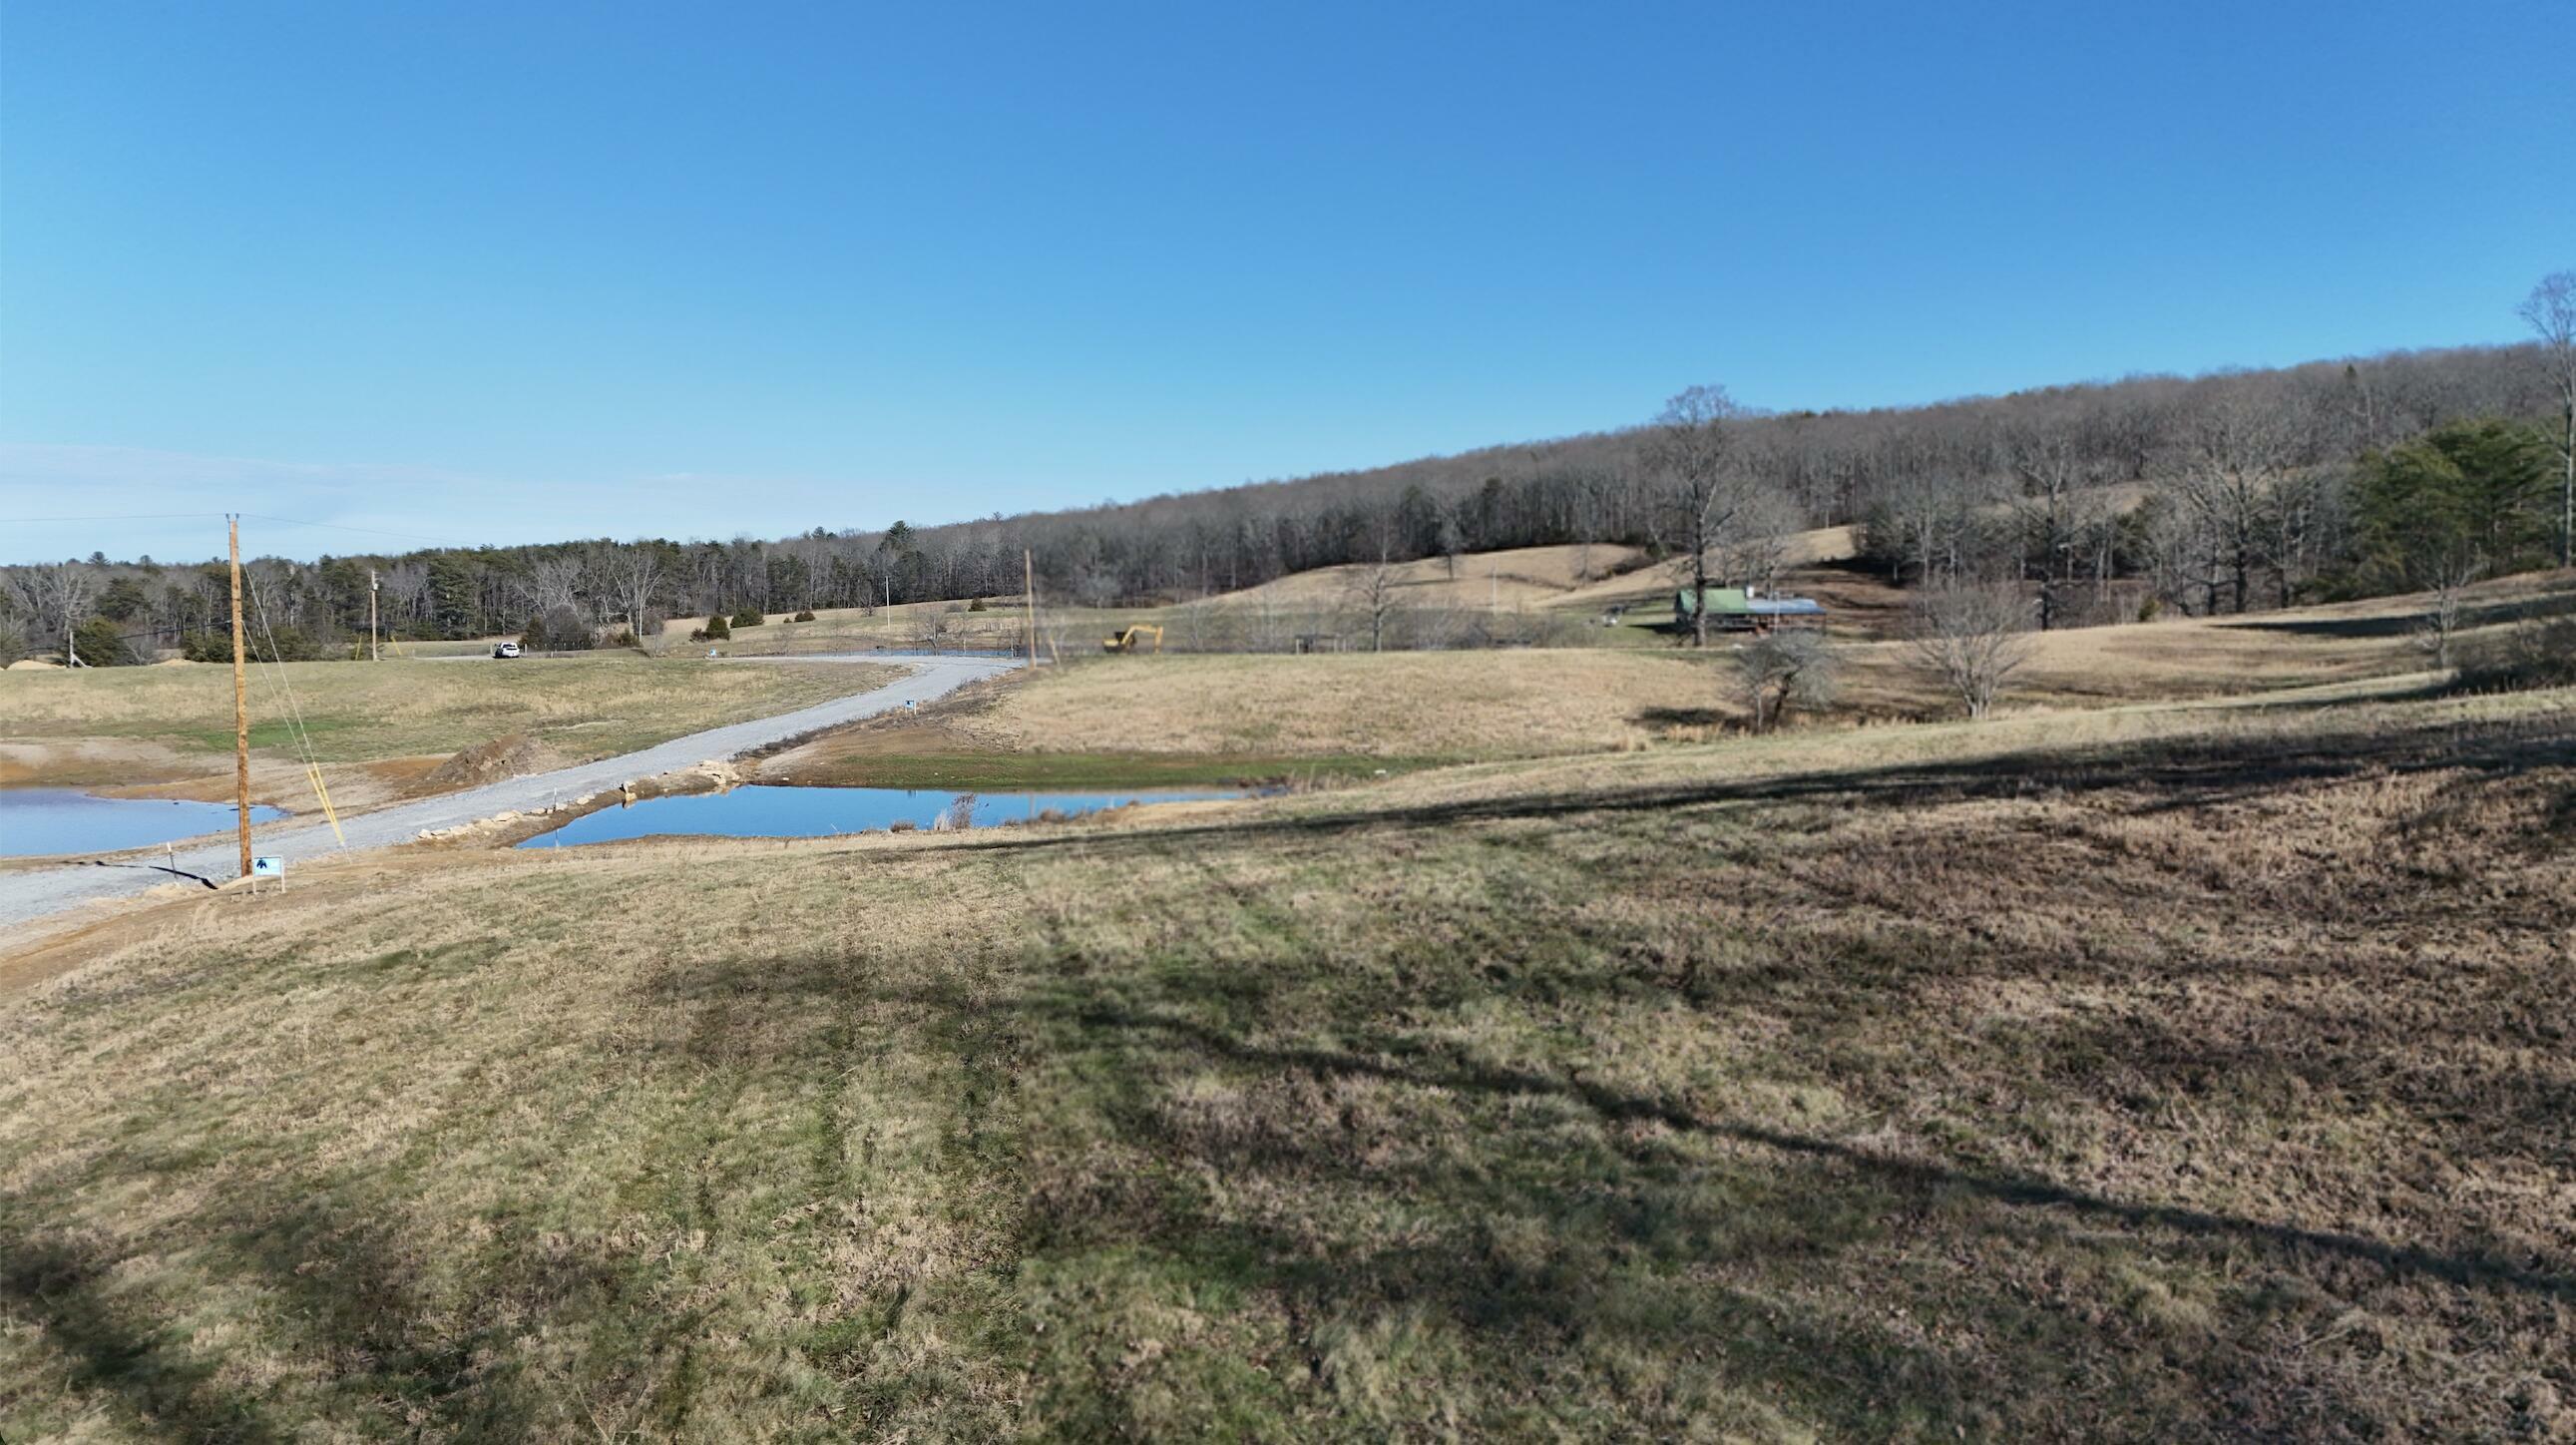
510	755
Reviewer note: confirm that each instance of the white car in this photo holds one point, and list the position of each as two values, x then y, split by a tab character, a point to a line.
505	649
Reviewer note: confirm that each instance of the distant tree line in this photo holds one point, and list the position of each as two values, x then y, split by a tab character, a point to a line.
2221	493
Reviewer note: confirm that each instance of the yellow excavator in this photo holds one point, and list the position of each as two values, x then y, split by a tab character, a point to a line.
1133	638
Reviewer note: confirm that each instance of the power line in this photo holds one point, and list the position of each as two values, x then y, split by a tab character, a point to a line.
118	517
260	516
372	531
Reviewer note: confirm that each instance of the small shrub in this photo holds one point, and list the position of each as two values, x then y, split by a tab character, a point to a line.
805	616
749	617
2150	608
1781	671
102	644
977	605
557	630
623	637
13	643
714	631
282	644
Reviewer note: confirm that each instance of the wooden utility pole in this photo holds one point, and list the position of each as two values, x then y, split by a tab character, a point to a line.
241	701
1029	585
375	650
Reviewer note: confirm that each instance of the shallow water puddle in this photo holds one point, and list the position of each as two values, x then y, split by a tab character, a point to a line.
768	811
39	821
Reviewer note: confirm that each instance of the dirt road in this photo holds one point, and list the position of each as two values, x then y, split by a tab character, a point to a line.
39	893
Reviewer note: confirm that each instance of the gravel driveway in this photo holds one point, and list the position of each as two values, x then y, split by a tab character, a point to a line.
31	895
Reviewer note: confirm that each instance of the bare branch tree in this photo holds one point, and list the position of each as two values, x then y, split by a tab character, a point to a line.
1782	670
1689	455
2551	312
634	573
2052	466
1372	590
554	584
1755	550
59	591
1972	637
2446	581
2242	446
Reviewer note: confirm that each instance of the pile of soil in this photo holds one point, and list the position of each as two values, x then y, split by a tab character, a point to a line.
509	756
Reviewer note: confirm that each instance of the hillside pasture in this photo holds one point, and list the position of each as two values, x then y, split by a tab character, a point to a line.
1944	1082
1260	715
376	727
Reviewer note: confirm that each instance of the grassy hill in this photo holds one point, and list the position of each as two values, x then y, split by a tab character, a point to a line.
1182	716
2174	1072
376	728
2181	1053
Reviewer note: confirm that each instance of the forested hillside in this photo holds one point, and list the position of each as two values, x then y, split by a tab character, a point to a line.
2225	492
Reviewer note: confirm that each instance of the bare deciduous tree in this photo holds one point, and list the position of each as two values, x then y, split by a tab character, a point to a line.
1782	670
554	584
633	575
2446	581
1207	625
58	594
1972	637
1704	493
2551	312
1754	552
1372	590
2242	446
2052	468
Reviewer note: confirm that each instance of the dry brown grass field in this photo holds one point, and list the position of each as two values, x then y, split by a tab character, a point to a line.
1267	714
376	727
1519	580
905	625
2154	1074
1521	576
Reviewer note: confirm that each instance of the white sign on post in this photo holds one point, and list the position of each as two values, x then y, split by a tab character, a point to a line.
268	867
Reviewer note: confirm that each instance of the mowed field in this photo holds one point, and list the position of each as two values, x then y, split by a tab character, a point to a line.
1559	583
1520	576
2150	1074
1269	715
375	725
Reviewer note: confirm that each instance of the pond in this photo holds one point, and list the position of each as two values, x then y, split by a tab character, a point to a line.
766	811
37	821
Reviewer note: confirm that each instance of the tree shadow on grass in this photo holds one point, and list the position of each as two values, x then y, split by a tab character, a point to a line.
2164	775
1681	717
1405	1062
1562	1220
2482	614
334	1293
1547	1257
118	1351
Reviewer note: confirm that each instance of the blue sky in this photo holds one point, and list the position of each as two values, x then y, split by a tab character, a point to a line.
510	272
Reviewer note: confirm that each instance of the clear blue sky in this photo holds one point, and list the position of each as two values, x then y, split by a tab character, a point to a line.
511	271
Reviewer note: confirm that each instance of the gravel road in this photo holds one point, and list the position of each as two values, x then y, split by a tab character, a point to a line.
34	894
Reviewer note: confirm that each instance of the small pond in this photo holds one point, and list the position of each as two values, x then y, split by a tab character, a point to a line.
765	811
35	821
